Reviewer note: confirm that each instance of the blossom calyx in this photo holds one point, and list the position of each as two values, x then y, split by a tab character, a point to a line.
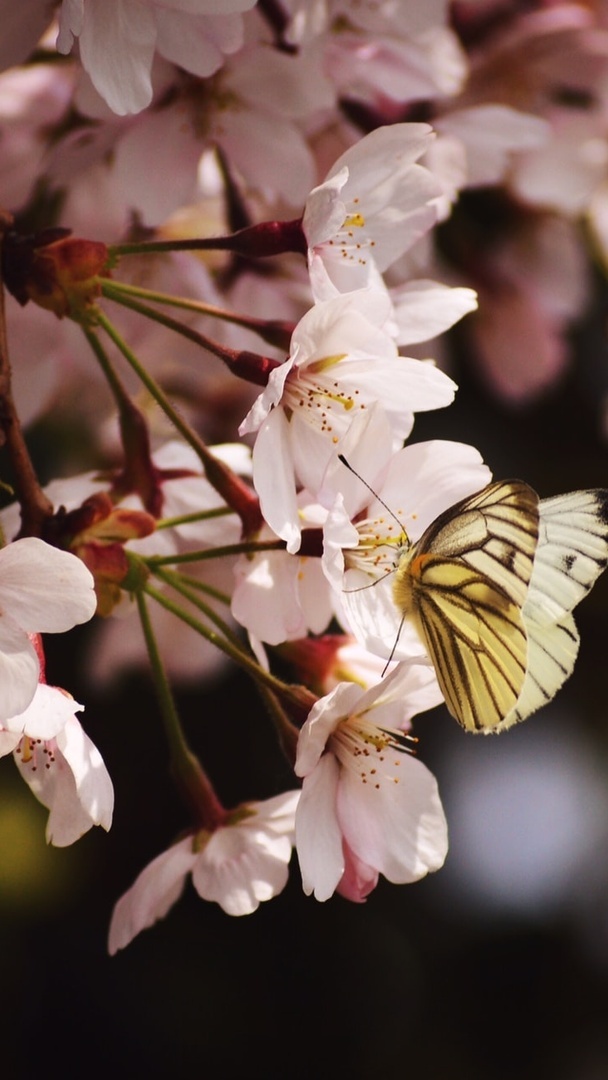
58	272
97	532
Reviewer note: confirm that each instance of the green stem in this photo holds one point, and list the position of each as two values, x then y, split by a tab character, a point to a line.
185	766
171	324
193	518
138	472
252	367
182	585
230	487
153	388
274	331
245	548
202	587
286	731
300	699
116	386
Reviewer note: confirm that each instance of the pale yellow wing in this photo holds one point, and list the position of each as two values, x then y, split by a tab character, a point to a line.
463	585
494	532
475	637
572	552
552	652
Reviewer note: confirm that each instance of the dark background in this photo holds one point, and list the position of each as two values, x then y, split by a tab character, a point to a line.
496	967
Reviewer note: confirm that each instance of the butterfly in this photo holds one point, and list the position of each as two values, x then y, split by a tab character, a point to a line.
490	587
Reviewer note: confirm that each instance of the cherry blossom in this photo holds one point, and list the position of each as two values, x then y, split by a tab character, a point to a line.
240	865
278	597
60	764
42	590
368	805
401	51
423	309
373	205
257	109
341	361
492	136
117	41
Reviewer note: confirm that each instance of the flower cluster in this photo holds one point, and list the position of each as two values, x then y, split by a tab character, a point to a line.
249	220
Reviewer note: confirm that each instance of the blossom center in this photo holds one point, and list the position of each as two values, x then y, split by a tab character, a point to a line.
372	754
36	753
321	402
380	548
351	243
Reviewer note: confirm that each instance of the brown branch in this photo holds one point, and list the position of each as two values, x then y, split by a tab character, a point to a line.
35	507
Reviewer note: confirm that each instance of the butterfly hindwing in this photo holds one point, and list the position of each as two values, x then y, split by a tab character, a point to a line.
463	584
572	552
552	652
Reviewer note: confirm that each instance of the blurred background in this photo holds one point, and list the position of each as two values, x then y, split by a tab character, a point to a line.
494	968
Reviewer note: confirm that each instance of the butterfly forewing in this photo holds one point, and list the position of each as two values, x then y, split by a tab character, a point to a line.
495	532
476	638
463	584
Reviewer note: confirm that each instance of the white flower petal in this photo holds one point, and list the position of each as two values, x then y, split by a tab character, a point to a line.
491	135
424	309
44	589
274	479
19	670
93	783
9	740
318	834
270	396
51	780
46	715
322	720
395	821
69	777
426	478
152	894
247	862
197	44
278	813
325	210
242	866
116	50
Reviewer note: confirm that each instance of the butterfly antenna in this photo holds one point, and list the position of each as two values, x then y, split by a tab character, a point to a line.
374	493
395	643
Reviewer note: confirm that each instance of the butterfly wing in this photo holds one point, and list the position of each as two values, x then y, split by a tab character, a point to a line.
464	584
571	554
552	652
476	638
